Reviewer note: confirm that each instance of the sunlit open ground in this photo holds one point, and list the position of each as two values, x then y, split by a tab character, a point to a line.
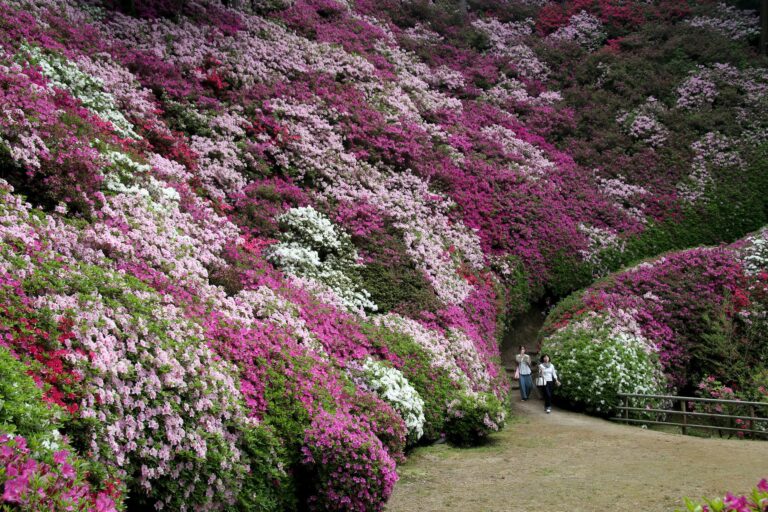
571	462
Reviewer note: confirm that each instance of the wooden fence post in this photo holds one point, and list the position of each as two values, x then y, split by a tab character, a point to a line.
626	409
684	428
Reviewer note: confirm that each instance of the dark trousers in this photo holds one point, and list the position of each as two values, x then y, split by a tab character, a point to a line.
547	390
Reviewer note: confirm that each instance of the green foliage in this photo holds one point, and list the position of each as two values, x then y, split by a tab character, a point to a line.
472	417
720	350
287	415
22	410
737	205
392	279
398	287
568	273
433	384
267	488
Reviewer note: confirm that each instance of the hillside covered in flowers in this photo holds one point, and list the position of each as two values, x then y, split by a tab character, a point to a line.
253	252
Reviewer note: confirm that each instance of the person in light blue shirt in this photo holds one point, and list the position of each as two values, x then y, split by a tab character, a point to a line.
524	372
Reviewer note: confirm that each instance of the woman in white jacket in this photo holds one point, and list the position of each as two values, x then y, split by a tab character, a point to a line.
548	373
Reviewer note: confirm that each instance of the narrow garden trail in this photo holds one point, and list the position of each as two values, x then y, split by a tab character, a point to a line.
566	461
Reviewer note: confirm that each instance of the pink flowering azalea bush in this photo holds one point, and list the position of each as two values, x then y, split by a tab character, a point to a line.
335	442
54	481
756	501
214	214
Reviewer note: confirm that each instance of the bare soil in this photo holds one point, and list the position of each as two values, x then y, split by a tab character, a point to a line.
566	461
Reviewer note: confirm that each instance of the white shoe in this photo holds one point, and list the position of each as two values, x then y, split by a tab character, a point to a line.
549	411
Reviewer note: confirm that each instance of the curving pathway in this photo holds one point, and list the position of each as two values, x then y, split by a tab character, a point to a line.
565	462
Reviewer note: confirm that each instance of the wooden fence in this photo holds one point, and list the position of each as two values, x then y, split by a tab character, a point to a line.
683	413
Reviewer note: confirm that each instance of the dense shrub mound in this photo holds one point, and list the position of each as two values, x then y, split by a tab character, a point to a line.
252	252
692	321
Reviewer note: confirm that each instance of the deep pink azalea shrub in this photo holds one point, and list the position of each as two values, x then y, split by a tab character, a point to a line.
756	501
348	465
56	481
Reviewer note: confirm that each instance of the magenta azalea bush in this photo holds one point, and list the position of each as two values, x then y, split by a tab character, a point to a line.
214	214
349	466
56	481
757	501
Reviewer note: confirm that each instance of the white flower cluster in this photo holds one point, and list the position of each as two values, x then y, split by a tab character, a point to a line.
127	176
602	355
89	90
712	152
392	386
755	253
731	22
584	29
311	247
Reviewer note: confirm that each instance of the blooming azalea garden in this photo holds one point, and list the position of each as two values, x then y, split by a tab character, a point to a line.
252	253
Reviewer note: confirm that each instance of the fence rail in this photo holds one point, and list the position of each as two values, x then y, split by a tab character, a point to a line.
684	407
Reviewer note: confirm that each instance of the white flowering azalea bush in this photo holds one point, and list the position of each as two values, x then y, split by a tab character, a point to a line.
597	358
88	89
312	247
472	416
584	29
392	386
754	254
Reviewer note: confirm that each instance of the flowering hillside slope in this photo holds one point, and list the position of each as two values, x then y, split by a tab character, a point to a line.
249	254
693	320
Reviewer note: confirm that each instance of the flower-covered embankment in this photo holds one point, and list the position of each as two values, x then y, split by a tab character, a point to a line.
233	234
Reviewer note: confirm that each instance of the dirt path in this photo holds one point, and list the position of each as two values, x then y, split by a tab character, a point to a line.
570	462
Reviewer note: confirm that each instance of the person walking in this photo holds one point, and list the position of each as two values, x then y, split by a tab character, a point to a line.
524	372
547	378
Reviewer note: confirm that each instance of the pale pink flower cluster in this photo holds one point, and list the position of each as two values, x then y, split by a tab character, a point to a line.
452	351
507	41
584	29
529	160
423	34
697	91
626	197
219	165
423	216
511	90
642	123
599	241
145	392
414	77
25	146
